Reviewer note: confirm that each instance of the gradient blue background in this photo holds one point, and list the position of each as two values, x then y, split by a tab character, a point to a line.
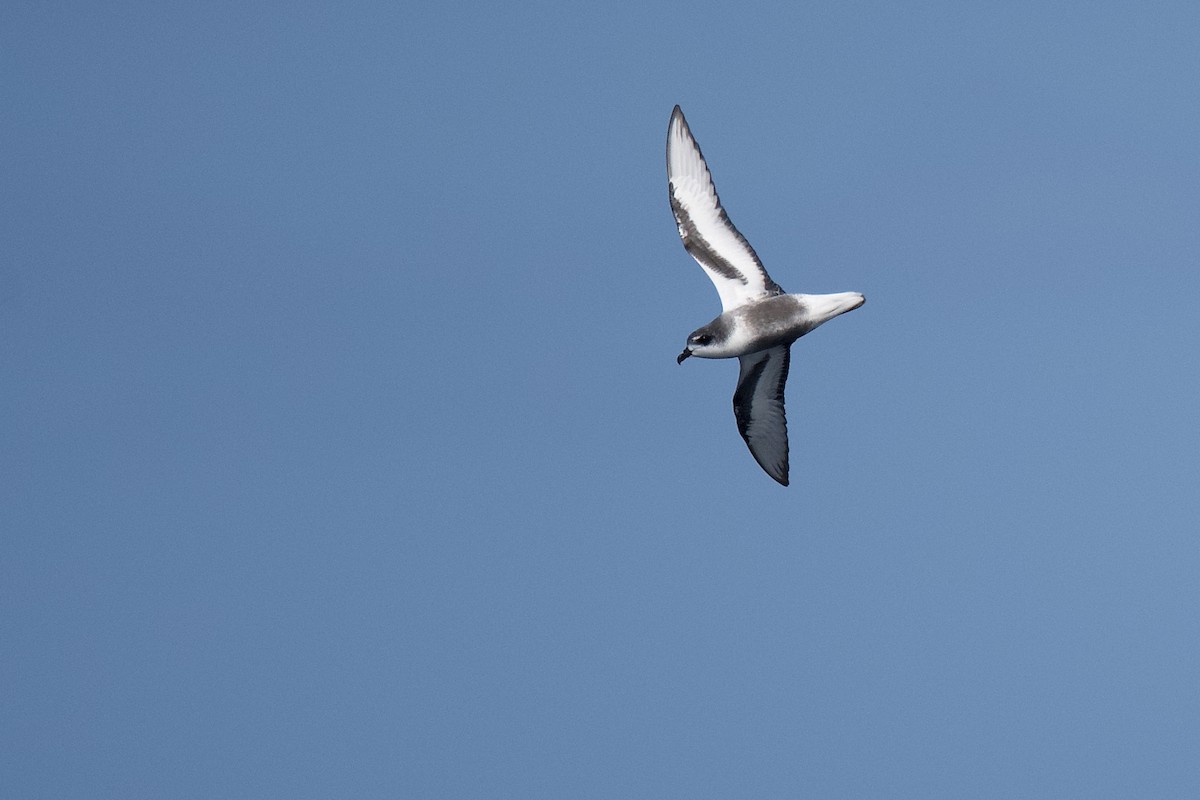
343	452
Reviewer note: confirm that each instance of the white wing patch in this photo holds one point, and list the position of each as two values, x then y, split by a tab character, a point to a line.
704	227
758	409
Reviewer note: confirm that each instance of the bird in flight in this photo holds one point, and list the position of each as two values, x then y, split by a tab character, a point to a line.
758	321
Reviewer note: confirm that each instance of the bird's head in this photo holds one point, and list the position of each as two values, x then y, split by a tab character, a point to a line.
703	342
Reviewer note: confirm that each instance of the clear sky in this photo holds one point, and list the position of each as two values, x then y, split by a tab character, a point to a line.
343	452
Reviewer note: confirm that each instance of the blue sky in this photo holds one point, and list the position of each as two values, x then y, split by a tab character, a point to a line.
344	453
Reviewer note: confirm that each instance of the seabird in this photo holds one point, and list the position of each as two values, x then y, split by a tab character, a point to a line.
758	321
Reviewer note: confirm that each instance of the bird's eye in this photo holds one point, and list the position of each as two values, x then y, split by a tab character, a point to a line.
703	338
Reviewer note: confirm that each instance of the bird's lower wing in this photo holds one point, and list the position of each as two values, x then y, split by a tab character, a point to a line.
758	409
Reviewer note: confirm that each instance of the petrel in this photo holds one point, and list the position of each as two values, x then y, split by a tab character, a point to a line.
758	321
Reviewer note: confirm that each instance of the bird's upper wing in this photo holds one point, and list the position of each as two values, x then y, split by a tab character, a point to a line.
758	408
704	226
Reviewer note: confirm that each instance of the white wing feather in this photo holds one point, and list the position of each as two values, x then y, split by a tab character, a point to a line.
704	227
